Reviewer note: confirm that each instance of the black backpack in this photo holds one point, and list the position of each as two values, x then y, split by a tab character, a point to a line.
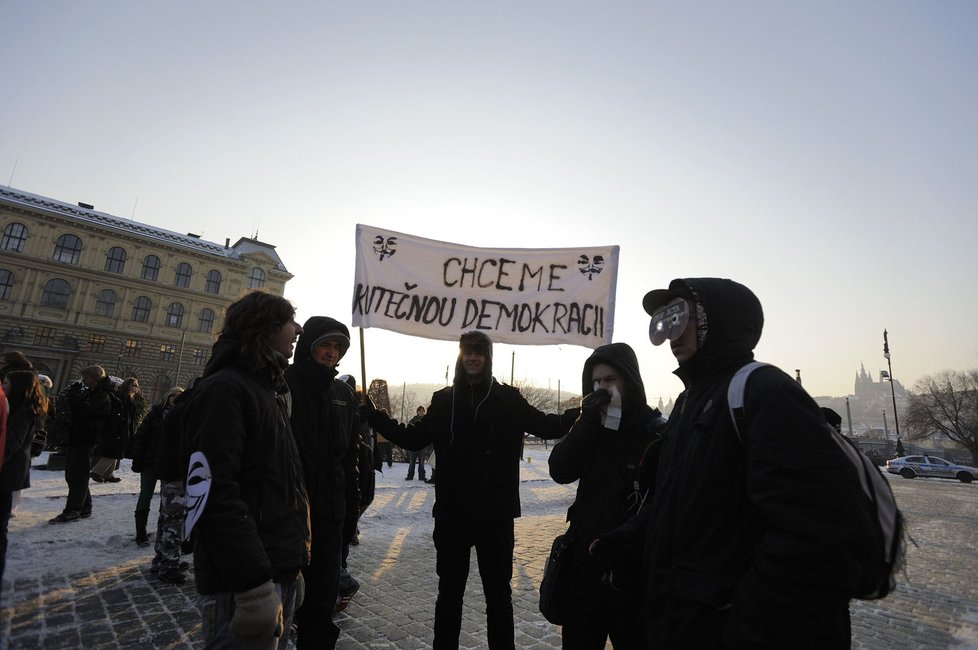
875	495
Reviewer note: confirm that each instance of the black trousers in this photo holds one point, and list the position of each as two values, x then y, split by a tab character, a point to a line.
493	542
597	612
314	618
78	466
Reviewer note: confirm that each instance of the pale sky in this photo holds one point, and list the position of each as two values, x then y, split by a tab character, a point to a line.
825	153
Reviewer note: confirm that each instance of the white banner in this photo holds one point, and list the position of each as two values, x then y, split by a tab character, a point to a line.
525	296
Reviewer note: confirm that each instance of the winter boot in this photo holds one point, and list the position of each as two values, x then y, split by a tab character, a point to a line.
142	538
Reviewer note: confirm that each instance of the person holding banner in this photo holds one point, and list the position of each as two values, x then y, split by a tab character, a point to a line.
326	425
476	426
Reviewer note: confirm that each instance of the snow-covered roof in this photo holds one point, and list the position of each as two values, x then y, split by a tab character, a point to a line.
196	244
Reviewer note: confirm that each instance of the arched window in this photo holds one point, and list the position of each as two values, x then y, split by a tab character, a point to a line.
151	268
141	308
182	276
256	278
174	315
67	249
14	237
105	302
206	321
7	284
115	260
56	293
213	282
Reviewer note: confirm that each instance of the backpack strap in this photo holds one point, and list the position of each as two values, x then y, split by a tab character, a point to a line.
735	396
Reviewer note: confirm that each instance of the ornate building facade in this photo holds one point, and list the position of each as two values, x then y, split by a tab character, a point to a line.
80	287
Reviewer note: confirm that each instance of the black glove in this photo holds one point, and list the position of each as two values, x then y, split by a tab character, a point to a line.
591	405
569	417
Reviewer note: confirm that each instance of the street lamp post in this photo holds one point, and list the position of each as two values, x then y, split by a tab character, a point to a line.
889	365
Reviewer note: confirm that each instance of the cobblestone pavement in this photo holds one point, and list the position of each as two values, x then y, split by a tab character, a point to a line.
935	605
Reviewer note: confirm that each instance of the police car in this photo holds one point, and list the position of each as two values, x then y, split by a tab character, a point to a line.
914	466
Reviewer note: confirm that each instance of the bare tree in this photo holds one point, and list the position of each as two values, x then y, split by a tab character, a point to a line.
545	399
946	405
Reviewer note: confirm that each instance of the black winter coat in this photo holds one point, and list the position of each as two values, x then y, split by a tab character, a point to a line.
477	433
255	524
607	463
146	441
748	544
16	471
326	425
89	413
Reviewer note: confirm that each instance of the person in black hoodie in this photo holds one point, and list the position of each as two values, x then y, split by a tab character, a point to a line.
603	452
326	425
246	500
748	543
476	426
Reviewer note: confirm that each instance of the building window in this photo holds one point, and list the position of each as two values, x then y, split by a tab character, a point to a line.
256	278
115	260
131	348
168	352
200	357
96	343
67	249
174	315
7	285
140	309
44	336
213	282
206	322
182	276
151	268
14	237
105	302
56	293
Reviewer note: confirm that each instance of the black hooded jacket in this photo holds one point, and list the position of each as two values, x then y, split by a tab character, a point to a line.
753	543
477	432
326	426
254	525
607	462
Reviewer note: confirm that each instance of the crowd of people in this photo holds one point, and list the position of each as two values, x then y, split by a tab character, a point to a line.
683	535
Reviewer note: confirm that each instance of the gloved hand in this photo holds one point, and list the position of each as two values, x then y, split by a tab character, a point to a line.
591	405
258	613
569	417
300	590
367	408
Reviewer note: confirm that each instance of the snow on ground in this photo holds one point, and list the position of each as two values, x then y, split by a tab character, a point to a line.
108	537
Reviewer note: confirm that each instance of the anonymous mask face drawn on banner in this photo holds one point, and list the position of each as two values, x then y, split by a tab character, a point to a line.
384	247
590	267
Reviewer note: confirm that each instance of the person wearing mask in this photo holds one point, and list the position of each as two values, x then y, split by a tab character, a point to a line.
27	408
247	508
326	426
476	426
754	537
603	452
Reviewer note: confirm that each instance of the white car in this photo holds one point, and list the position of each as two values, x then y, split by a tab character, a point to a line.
914	466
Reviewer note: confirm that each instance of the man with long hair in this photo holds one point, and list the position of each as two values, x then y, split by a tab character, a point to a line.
247	507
